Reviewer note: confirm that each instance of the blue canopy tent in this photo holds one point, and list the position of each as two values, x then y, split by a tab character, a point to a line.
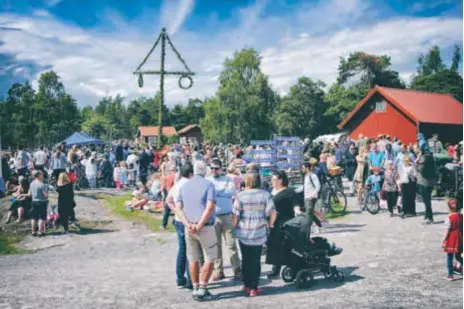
81	139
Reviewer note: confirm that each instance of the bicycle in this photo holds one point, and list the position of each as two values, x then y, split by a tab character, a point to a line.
369	200
335	201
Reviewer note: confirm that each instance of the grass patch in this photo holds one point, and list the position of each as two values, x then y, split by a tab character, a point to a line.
116	205
332	215
8	244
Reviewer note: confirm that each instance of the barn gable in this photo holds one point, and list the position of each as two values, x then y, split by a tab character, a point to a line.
402	113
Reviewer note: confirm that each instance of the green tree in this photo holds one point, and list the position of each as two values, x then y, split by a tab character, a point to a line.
18	116
212	125
194	111
340	101
179	118
301	112
432	75
456	59
87	112
96	125
369	70
55	112
431	63
446	81
245	101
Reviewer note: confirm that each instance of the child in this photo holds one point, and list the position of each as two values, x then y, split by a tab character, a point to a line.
53	216
123	174
131	175
452	244
374	181
20	202
38	191
116	176
66	201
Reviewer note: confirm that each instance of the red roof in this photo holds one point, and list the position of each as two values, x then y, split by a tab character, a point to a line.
154	131
421	107
188	128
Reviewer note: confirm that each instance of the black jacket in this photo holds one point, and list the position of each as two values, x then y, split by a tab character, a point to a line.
65	196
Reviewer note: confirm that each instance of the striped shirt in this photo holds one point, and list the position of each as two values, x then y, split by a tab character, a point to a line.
252	207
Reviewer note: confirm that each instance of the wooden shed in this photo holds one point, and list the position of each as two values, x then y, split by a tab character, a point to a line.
191	134
150	134
403	113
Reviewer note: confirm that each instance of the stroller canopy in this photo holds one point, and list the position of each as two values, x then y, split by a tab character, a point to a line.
299	230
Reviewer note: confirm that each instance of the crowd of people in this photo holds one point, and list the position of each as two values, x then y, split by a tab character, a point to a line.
219	197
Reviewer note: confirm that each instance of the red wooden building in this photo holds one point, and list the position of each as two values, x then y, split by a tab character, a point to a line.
403	113
191	134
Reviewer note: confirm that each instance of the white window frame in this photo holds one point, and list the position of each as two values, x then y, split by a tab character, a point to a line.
382	104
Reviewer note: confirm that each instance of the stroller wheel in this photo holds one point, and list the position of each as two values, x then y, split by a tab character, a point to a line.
287	274
338	276
327	273
304	279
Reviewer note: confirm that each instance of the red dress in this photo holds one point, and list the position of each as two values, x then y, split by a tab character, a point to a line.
453	240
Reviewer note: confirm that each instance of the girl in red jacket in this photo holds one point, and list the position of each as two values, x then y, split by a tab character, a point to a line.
452	244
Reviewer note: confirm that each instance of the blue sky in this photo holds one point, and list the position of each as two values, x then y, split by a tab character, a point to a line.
94	45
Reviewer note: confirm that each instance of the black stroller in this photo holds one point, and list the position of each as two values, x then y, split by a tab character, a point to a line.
304	258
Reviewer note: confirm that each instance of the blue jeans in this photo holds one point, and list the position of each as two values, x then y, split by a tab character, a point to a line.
166	213
182	263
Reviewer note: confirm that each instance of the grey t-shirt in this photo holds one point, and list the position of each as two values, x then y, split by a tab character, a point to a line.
194	195
37	190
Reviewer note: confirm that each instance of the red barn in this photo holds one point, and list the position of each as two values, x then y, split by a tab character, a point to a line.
403	113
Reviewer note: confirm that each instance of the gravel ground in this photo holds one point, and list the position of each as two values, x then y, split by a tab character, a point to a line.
388	262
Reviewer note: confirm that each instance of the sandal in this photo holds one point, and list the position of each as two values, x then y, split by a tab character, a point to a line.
34	234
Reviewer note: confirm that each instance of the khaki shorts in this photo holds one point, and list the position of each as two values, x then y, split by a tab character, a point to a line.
206	241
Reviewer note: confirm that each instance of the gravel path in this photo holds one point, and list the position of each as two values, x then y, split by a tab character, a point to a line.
389	263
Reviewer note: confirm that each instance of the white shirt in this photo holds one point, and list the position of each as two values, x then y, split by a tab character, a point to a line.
91	168
311	186
172	155
174	192
132	159
40	157
405	172
155	187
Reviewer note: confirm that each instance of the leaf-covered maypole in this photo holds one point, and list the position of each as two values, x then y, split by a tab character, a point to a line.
184	75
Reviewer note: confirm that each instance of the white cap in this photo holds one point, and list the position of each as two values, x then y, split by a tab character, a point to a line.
200	168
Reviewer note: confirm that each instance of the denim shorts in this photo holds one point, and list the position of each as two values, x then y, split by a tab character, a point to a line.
39	210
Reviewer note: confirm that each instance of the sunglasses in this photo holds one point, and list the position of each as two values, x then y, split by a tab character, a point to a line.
215	168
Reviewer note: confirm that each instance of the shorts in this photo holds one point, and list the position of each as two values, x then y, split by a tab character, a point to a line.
39	210
205	240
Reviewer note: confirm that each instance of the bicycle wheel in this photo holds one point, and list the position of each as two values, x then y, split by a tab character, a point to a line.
337	202
372	204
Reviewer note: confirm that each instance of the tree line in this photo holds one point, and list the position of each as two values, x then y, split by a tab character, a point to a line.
244	107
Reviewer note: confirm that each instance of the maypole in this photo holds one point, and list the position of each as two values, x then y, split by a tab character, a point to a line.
187	74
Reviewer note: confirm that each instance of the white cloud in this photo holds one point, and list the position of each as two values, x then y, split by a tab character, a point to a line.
174	13
52	3
95	63
42	13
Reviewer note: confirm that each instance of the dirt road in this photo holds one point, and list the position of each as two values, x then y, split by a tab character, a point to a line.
389	263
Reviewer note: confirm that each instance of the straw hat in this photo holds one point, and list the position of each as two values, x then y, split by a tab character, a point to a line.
313	161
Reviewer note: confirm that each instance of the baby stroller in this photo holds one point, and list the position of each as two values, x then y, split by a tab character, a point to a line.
449	180
303	258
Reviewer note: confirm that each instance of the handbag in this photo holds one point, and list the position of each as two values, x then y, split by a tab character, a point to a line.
383	195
